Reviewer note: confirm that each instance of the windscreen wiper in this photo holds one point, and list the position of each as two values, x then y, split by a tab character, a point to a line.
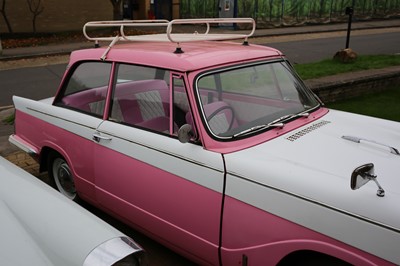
274	124
258	127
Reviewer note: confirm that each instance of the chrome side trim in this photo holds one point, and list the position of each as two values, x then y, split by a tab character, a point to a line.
23	146
358	140
61	118
112	251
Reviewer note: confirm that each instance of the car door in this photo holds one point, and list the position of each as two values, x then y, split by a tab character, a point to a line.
82	102
170	190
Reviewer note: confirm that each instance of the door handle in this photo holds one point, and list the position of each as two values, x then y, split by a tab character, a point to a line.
97	137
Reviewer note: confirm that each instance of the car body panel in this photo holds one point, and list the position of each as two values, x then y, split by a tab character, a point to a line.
308	175
266	233
43	228
183	177
57	131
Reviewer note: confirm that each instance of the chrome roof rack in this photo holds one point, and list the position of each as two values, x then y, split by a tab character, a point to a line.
168	36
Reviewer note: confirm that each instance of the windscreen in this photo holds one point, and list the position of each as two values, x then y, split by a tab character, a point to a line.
242	100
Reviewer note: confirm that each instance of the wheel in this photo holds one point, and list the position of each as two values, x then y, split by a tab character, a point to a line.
61	176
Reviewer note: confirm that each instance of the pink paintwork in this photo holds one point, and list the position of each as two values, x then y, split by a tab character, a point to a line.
175	211
267	238
49	137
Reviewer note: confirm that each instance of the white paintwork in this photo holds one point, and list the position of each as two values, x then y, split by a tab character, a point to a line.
193	158
191	162
81	124
41	227
310	177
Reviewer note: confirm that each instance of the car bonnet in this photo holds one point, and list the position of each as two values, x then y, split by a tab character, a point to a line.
311	167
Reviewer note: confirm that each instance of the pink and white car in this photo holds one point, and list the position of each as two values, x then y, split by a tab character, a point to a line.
217	150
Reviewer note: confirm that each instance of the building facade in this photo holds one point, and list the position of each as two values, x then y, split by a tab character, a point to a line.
71	15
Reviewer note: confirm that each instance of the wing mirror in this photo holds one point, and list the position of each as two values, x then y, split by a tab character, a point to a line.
185	133
362	175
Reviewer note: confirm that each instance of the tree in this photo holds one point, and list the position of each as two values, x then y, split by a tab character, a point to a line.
36	8
4	14
117	9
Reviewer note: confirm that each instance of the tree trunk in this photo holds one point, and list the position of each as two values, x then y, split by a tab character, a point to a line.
34	24
36	9
3	12
117	9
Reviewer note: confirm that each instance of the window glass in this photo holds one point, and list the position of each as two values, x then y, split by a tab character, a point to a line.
246	99
182	112
134	72
86	88
141	98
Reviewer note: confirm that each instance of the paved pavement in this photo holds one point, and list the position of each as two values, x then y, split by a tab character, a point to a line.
8	55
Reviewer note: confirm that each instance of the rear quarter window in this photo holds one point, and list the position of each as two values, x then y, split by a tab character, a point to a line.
86	88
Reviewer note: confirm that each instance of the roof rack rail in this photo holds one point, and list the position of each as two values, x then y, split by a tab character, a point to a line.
168	36
121	24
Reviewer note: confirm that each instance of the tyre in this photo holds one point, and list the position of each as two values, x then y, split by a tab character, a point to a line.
61	176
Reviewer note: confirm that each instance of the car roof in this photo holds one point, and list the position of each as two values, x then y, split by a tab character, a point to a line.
194	56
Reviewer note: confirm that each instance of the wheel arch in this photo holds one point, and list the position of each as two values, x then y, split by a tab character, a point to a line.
45	153
311	257
335	257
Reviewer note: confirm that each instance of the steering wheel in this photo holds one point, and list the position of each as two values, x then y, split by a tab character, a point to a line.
219	110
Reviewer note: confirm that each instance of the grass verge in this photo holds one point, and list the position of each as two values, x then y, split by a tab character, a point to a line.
9	120
330	67
382	104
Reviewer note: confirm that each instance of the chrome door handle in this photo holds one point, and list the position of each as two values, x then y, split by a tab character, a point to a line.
97	137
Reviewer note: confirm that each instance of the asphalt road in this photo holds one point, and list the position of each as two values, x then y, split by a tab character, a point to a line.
30	82
43	81
305	51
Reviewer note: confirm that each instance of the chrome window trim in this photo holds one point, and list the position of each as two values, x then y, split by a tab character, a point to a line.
234	67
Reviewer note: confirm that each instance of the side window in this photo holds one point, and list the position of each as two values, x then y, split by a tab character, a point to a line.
86	88
141	98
